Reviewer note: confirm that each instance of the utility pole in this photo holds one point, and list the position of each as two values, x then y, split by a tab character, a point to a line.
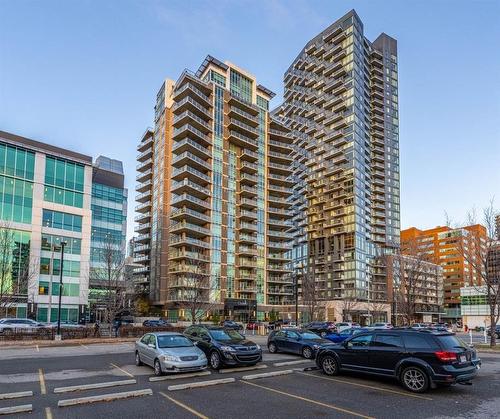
58	334
49	313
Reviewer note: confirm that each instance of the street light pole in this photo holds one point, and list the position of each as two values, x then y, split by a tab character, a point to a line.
60	291
296	299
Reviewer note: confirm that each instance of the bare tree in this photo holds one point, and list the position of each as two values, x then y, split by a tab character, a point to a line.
108	274
194	287
311	296
481	251
17	267
349	304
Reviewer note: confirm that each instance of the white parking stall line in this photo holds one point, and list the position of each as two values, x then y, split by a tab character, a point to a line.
16	409
255	367
122	370
17	395
179	376
105	397
201	384
284	364
267	374
84	387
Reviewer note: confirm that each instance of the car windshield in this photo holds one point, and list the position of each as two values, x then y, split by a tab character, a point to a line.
451	341
173	341
225	334
309	335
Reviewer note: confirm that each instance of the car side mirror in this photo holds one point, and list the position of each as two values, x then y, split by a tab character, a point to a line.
194	334
346	345
195	343
152	345
206	338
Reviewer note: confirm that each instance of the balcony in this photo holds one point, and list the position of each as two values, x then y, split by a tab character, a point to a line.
190	159
246	263
192	229
142	238
243	105
242	140
144	176
188	89
284	146
243	116
190	215
280	168
145	155
243	128
247	238
279	245
249	167
278	201
147	140
248	191
190	187
246	250
144	207
247	215
189	131
189	104
249	155
192	146
248	179
185	254
190	201
142	187
179	241
143	197
145	165
247	227
247	203
281	157
286	136
280	179
188	172
279	190
142	217
189	117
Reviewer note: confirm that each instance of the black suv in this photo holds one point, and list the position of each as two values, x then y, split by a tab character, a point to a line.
321	328
497	331
224	346
418	359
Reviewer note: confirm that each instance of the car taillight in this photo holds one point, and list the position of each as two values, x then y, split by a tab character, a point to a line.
445	356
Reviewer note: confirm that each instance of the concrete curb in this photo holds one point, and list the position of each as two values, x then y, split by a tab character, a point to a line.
84	387
17	395
256	367
267	374
201	384
283	364
105	397
177	377
62	343
16	409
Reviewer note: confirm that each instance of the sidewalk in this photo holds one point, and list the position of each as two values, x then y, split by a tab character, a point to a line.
67	342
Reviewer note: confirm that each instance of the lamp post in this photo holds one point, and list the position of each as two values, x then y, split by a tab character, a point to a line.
58	334
296	299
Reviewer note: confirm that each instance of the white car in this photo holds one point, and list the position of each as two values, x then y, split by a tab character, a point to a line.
380	326
11	324
346	325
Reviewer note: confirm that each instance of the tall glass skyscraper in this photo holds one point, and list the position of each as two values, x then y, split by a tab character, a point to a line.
214	182
341	103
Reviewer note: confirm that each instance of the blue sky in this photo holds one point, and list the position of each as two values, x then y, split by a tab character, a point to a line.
84	75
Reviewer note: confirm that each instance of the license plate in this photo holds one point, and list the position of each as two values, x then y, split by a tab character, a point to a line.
463	358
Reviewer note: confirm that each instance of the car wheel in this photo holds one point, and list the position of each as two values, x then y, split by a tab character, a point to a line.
157	367
138	361
215	360
307	352
415	380
329	365
272	348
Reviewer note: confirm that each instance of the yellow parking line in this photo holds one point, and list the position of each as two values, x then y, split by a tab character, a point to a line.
48	413
122	370
43	389
178	403
305	399
402	393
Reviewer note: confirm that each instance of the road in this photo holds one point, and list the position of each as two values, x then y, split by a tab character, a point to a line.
298	394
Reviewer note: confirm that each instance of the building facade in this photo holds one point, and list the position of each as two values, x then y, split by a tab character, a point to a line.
415	289
453	249
215	189
50	195
341	104
108	231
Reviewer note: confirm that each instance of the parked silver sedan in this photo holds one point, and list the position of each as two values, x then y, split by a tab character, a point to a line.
169	352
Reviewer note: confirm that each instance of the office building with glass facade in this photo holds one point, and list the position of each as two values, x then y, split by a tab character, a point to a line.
341	104
48	197
213	213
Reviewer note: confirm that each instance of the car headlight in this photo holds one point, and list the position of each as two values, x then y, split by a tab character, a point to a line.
258	347
227	349
169	358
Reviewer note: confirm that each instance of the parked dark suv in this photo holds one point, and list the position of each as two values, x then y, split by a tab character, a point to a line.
321	328
497	331
418	359
224	346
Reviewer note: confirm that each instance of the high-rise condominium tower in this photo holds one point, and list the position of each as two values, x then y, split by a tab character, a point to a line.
341	103
214	208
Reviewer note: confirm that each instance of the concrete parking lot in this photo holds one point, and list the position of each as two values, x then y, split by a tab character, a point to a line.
294	393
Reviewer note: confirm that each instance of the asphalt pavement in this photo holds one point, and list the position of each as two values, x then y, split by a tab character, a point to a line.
293	394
